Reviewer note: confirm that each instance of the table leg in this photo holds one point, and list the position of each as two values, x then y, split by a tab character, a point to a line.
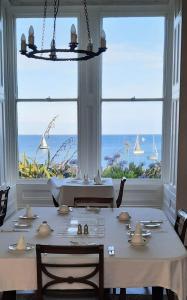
157	293
9	295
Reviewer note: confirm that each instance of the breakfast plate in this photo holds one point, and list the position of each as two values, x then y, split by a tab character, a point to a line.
152	225
29	218
13	248
144	232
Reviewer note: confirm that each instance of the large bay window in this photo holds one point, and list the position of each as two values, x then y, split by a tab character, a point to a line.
58	103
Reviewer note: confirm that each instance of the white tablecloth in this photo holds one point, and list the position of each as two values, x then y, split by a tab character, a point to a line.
162	262
65	190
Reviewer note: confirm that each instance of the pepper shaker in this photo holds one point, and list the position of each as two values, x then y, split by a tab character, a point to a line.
85	229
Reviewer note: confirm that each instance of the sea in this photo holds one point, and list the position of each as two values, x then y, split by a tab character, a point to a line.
115	148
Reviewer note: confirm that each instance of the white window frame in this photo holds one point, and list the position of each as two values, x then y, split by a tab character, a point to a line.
89	90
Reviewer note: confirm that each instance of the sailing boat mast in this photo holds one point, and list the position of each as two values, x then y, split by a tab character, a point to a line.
154	155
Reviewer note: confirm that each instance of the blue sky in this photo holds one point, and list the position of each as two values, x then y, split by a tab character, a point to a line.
132	66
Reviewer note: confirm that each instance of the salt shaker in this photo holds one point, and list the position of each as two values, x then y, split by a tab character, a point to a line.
79	230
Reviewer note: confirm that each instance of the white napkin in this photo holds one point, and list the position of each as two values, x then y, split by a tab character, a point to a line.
98	178
78	174
138	229
29	213
21	244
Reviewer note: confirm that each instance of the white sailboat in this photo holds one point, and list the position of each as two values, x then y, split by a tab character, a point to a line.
43	143
154	155
137	149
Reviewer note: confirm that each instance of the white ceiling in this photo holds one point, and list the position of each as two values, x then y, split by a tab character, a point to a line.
89	2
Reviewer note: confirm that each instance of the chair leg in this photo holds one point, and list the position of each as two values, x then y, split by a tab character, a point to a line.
157	293
122	295
170	294
9	295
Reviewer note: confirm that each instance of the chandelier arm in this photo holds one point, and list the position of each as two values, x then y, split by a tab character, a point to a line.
87	20
87	54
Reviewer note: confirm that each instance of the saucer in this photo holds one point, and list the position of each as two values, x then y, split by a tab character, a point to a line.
13	248
29	218
152	225
144	232
143	243
22	225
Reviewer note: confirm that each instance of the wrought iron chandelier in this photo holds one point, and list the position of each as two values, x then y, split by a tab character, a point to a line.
31	51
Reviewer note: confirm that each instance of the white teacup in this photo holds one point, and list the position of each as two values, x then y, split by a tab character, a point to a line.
44	228
64	209
124	216
137	239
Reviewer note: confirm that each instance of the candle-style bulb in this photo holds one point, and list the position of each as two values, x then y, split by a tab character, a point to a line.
23	42
73	34
31	35
103	39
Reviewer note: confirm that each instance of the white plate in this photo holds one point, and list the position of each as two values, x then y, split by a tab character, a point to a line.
151	225
143	243
29	218
22	225
144	232
14	249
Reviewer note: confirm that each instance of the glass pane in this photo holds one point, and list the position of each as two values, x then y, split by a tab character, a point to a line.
134	58
131	139
47	139
40	78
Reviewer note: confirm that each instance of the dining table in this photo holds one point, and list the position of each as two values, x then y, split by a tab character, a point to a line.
159	262
66	189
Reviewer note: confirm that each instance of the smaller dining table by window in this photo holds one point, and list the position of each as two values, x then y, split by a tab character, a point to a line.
65	190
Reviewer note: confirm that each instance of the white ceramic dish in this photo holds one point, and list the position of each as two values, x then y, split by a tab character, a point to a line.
22	225
152	225
143	243
125	220
13	248
29	218
144	232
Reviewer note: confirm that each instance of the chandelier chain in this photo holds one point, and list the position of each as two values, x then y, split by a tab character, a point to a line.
87	20
56	6
43	26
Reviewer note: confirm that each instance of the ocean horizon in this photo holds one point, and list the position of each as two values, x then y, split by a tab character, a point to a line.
119	147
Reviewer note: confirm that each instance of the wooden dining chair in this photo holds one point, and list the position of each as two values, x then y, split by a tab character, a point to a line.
181	224
3	204
55	273
120	195
93	202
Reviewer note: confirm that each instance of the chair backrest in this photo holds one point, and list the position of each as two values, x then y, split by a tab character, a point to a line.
120	195
93	202
47	267
181	224
3	203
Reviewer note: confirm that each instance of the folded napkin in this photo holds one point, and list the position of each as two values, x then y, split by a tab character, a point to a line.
29	213
138	229
97	178
21	244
